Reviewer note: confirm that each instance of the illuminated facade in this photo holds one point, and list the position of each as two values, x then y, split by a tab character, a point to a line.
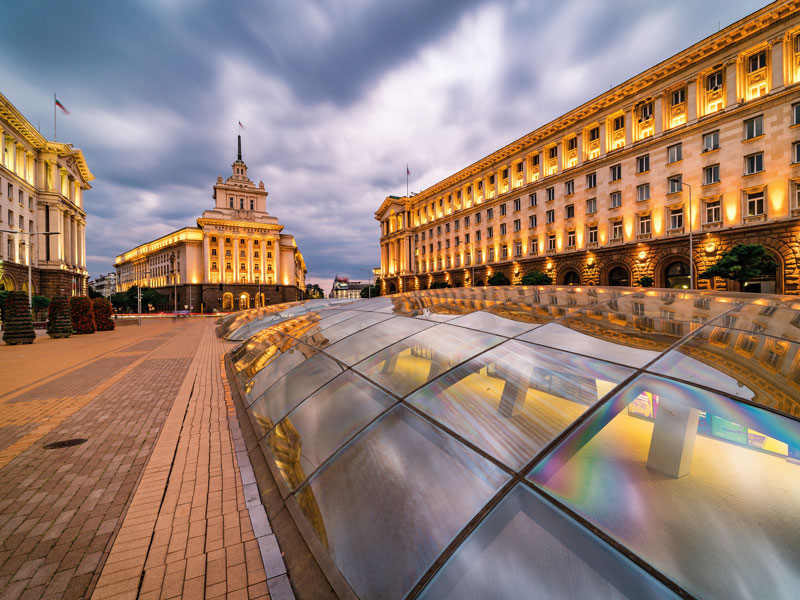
237	257
601	195
344	288
41	190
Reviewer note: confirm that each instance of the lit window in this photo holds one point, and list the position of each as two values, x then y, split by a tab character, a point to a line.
711	174
711	141
551	216
754	163
591	206
674	153
551	242
644	225
619	123
594	134
616	230
678	96
714	81
571	238
616	199
714	211
616	172
755	203
643	192
676	218
753	127
643	163
756	62
592	234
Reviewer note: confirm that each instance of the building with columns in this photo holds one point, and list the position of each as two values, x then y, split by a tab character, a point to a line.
236	258
707	142
41	190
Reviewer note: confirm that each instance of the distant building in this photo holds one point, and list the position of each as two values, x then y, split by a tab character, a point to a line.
236	258
41	190
313	291
344	288
104	284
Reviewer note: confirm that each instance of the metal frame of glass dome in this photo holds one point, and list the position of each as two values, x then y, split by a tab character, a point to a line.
656	341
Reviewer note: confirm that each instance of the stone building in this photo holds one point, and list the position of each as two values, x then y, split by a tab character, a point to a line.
236	258
706	142
41	191
104	284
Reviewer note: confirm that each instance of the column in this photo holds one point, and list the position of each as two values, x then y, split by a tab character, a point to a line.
276	244
235	262
691	100
579	140
777	63
206	259
65	240
733	70
221	258
74	244
250	274
603	137
658	115
628	126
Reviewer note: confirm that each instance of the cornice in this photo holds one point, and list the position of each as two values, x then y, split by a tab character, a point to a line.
247	224
706	48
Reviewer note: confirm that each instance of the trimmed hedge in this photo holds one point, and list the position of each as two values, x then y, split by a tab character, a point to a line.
82	315
17	321
102	314
59	321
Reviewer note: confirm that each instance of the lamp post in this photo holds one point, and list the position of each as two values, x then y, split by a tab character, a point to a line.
139	296
174	284
30	255
691	245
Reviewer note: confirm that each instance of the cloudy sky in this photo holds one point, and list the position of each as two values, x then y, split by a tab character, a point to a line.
336	97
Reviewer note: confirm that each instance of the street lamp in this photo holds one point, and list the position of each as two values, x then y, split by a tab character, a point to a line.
174	284
691	249
30	255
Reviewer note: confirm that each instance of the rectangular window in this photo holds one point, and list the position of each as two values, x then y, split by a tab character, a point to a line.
592	234
502	228
491	255
710	174
503	251
754	163
753	127
534	246
447	227
619	123
466	221
532	200
477	236
646	111
455	225
591	181
674	153
551	216
711	141
489	233
477	218
676	218
572	143
532	221
675	184
489	214
535	160
569	187
466	238
594	134
551	194
643	192
643	163
714	81
616	199
447	243
796	152
756	62
439	230
503	209
591	206
678	96
517	204
517	249
553	152
795	110
571	238
479	256
569	211
644	225
616	172
616	230
551	242
517	225
714	211
755	204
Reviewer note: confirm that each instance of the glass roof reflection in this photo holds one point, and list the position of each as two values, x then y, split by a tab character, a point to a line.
652	436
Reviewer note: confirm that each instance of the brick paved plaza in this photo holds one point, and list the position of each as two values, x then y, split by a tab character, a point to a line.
153	504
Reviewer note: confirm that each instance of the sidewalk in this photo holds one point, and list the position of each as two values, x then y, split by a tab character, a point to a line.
151	504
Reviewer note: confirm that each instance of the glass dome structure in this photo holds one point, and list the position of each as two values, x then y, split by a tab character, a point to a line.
535	442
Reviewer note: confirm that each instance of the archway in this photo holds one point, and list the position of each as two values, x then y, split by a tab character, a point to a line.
227	301
392	288
479	283
619	276
6	283
458	284
571	277
676	275
244	301
259	300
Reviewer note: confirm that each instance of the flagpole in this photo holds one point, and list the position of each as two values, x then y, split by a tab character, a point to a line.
55	126
407	171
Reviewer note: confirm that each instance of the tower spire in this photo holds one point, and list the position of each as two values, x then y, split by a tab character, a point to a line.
239	156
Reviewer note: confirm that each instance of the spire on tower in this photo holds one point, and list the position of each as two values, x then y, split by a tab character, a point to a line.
239	156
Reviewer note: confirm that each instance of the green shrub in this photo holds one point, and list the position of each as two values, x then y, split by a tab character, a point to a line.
646	281
17	322
498	279
536	278
59	322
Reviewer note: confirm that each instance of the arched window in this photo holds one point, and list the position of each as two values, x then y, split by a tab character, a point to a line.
571	277
227	301
244	301
676	275
6	283
619	276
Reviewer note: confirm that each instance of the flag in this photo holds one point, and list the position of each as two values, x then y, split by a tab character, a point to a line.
407	171
61	106
240	125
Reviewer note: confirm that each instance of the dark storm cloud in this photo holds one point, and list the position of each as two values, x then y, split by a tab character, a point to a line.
337	97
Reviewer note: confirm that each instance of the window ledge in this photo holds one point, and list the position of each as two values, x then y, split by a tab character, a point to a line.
714	225
710	151
758	137
591	244
754	218
643	236
675	231
710	184
753	173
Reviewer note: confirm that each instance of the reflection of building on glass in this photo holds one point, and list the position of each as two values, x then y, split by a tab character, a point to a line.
586	199
344	288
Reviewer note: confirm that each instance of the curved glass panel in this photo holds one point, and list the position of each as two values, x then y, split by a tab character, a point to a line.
290	391
704	488
368	341
527	550
388	504
514	399
412	362
308	435
337	327
492	323
276	363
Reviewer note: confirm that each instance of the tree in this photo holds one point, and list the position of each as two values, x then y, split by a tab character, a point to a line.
440	285
93	293
40	304
126	301
17	322
371	291
498	279
536	278
742	262
646	281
